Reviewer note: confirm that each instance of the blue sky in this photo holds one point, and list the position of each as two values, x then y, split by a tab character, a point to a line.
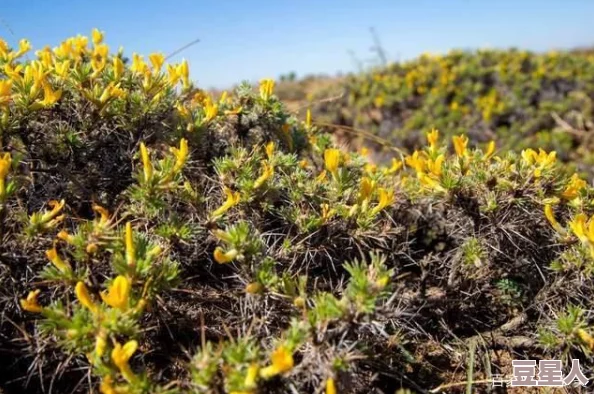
248	40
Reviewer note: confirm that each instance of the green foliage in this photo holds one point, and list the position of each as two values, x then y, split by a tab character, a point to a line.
165	215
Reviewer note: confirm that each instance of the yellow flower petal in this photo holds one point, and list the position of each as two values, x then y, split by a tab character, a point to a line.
97	36
121	355
117	296
52	255
460	145
282	362
223	257
130	247
331	160
30	304
330	386
83	296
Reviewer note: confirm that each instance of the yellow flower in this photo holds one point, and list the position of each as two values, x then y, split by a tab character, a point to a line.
386	198
435	166
173	75
223	98
138	65
56	208
370	168
382	282
80	43
548	210
330	386
327	213
266	87
121	355
35	72
460	145
253	288
64	50
52	255
270	150
321	177
576	184
308	118
50	97
366	188
267	172
432	138
251	376
528	155
223	257
92	248
429	182
97	36
106	386
62	68
181	155
99	58
232	200
379	101
64	236
416	162
542	159
111	91
184	72
3	49
24	47
210	110
14	73
585	337
30	304
396	165
100	343
490	150
103	215
5	164
5	91
82	293
578	226
117	296
183	111
157	60
146	163
331	160
130	247
282	361
118	68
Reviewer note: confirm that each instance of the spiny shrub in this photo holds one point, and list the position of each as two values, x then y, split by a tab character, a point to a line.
158	240
518	98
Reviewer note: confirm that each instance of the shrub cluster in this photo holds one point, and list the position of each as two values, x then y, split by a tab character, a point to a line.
156	239
518	98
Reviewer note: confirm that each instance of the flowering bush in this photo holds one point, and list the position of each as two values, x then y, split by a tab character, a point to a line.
156	239
520	99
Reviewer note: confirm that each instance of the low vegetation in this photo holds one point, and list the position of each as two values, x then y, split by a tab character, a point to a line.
158	239
518	98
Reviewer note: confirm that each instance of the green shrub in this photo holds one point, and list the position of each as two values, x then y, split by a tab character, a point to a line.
160	240
519	98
